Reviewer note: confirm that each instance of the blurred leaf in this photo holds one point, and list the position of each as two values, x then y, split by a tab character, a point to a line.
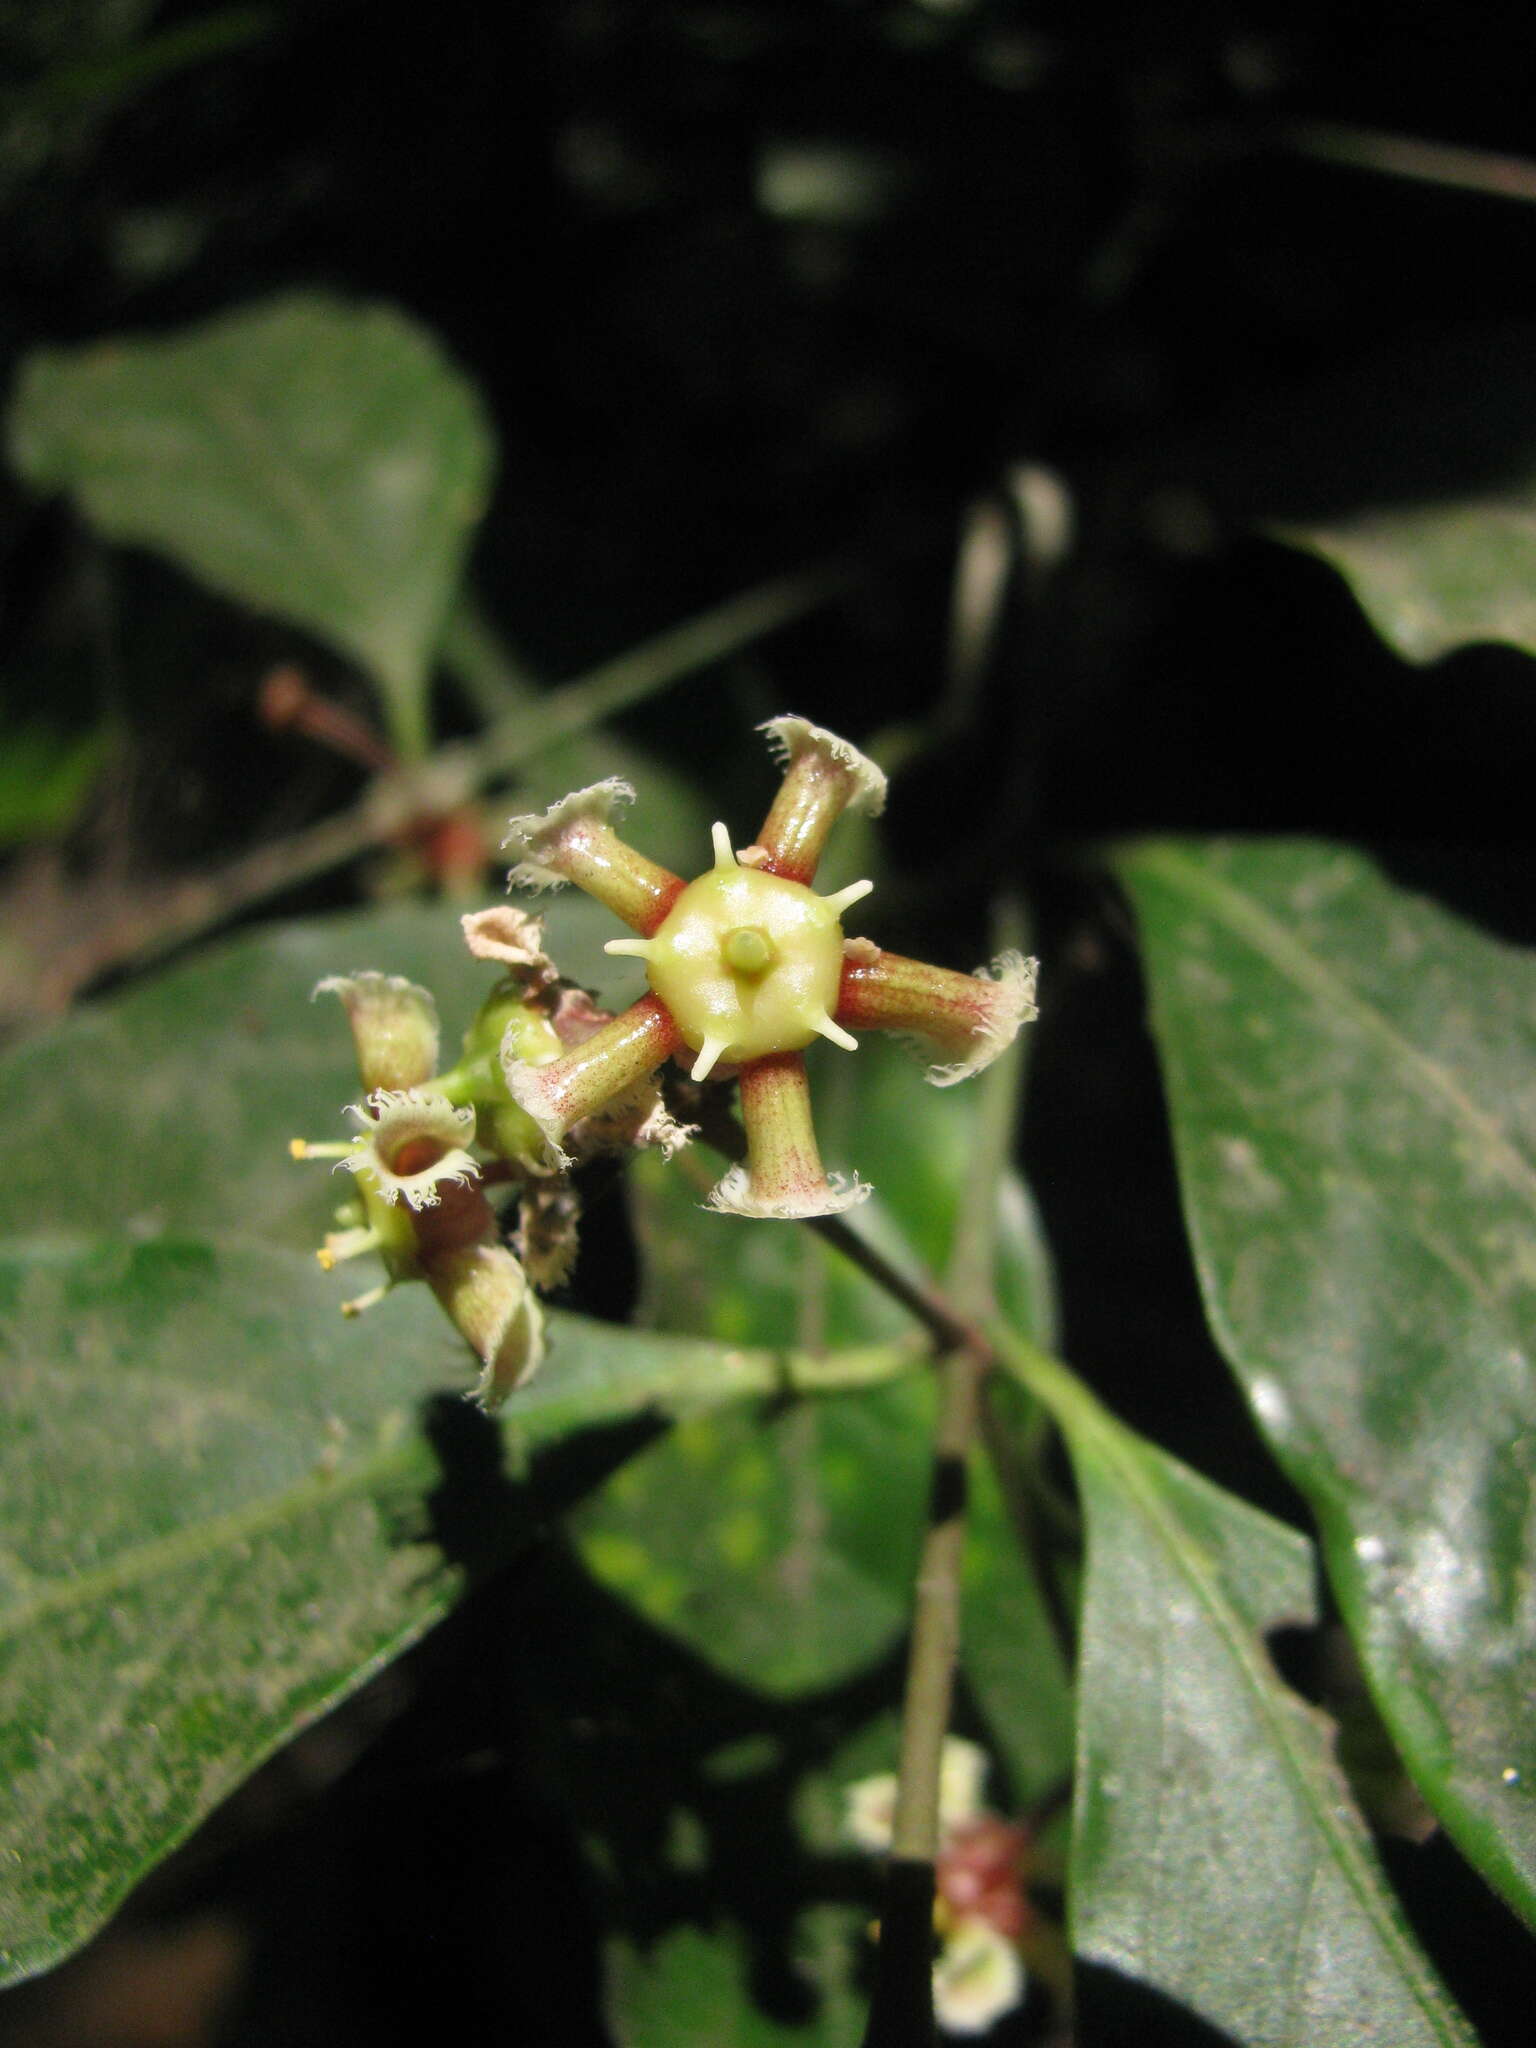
309	457
1350	1073
212	1486
694	1986
1432	577
44	775
780	1547
1217	1854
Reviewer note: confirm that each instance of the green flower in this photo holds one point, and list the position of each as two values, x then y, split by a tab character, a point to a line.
746	966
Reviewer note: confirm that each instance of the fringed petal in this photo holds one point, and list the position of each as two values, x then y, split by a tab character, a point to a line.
965	1019
594	1074
573	842
487	1296
412	1145
783	1176
823	777
514	938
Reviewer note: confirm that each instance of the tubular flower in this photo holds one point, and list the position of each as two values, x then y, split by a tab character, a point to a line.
746	966
980	1912
429	1219
427	1143
394	1027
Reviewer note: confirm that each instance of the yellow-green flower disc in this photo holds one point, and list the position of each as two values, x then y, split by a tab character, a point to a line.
748	962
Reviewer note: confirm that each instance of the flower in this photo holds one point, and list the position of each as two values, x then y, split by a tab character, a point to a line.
394	1027
980	1911
426	1214
746	966
978	1977
411	1145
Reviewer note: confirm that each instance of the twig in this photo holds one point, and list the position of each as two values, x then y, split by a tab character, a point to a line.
169	914
1494	175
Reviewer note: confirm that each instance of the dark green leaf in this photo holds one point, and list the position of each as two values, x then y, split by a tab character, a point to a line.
1217	1853
692	1986
782	1549
309	457
213	1486
1432	577
1350	1075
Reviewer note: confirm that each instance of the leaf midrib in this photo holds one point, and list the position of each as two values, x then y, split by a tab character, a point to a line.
202	1540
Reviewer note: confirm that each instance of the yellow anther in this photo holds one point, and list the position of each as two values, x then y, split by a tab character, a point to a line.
628	949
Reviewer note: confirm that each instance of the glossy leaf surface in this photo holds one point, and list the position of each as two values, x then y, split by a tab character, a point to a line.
310	457
1217	1853
1350	1071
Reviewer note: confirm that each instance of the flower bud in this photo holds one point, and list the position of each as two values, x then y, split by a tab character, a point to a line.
487	1297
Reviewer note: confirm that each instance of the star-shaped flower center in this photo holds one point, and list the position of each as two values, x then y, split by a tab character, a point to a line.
748	962
746	966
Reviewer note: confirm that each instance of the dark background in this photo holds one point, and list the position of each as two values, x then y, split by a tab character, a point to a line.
750	286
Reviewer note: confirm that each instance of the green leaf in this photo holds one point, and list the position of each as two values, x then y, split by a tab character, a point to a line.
1432	577
693	1986
782	1548
212	1485
1350	1071
1217	1853
309	457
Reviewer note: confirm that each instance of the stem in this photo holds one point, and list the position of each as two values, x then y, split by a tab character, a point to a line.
631	677
905	2011
936	1614
1486	171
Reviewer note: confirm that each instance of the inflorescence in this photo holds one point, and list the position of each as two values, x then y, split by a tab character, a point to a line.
746	966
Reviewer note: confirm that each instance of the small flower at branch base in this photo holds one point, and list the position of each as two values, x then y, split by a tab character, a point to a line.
978	1977
747	966
870	1805
394	1027
980	1911
431	1221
